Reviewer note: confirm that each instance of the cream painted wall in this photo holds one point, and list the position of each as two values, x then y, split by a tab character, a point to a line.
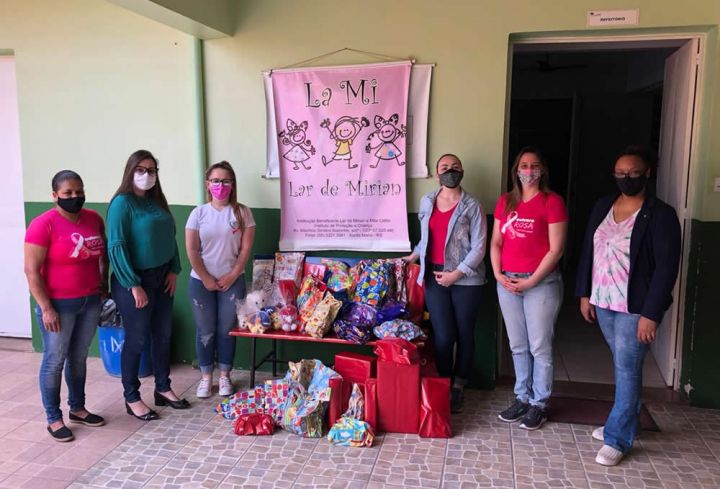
469	42
95	83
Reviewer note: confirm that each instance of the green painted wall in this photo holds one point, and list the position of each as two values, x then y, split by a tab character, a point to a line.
267	236
701	341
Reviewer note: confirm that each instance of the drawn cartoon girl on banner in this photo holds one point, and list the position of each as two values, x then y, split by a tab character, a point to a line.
344	131
384	138
300	147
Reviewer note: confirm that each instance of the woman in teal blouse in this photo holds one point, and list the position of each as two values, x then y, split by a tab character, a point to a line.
145	261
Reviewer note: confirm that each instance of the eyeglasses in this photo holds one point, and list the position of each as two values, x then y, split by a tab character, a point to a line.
632	174
141	170
226	183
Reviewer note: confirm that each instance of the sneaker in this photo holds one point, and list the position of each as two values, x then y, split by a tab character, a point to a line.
534	419
514	412
609	456
456	400
599	434
204	388
226	387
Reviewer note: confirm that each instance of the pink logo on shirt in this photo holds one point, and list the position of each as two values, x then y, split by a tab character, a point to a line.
86	247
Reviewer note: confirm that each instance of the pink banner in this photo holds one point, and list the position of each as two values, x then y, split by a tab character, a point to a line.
342	157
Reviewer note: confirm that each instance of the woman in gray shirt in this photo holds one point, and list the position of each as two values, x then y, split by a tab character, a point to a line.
219	237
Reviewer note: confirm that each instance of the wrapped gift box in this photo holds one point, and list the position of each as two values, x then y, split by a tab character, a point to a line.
354	368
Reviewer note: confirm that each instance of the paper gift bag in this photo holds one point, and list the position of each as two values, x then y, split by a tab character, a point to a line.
371	406
435	408
398	386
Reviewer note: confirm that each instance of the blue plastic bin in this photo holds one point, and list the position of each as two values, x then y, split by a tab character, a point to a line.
111	340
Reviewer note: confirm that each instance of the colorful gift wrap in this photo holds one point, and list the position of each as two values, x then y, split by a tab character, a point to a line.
311	294
391	310
317	270
398	386
353	333
398	328
258	322
275	396
356	404
303	415
289	266
245	402
435	408
351	432
322	317
373	284
254	425
339	275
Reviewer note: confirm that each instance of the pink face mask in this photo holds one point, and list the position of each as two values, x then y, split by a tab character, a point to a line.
220	191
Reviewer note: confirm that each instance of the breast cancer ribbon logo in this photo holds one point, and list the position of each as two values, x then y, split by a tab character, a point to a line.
79	242
85	247
508	227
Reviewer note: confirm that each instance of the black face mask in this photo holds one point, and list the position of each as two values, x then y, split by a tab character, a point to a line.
72	204
631	186
451	178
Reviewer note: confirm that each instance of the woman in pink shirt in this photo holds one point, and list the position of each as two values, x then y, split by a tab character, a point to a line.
66	268
527	243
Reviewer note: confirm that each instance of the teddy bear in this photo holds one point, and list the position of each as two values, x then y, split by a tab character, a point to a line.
251	314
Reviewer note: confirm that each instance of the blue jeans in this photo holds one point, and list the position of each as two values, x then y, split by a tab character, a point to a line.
156	318
620	332
453	314
67	348
215	315
530	323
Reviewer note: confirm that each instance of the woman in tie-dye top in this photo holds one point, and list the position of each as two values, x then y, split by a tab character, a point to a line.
626	274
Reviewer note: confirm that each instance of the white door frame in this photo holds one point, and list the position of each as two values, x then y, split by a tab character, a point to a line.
636	40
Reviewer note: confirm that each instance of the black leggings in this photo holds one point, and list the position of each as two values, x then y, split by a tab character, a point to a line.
453	314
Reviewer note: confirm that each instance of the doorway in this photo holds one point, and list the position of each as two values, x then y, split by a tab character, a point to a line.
14	296
582	102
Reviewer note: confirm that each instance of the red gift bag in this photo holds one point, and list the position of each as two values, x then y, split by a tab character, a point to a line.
415	293
398	386
354	368
435	408
371	406
335	409
254	424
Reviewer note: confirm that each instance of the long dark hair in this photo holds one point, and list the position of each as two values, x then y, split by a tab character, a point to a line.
126	186
232	200
514	196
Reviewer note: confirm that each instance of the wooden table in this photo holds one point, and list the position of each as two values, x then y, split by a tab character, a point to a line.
283	336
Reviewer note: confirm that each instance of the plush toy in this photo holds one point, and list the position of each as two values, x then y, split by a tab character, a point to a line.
288	318
249	309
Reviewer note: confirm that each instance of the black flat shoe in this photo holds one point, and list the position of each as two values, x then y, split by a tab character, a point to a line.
161	400
89	420
149	416
61	434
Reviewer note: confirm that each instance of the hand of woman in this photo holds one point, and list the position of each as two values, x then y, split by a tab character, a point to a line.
226	281
506	282
141	298
170	280
412	258
587	310
521	284
446	279
646	330
210	283
51	320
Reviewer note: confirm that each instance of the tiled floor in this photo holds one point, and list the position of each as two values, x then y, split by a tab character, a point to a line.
195	449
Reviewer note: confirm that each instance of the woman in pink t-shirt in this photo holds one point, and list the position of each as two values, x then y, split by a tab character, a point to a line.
66	268
527	243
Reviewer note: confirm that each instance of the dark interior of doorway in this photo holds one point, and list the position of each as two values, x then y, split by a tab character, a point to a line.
581	108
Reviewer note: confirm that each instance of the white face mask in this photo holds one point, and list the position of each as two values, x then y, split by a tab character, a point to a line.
144	182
